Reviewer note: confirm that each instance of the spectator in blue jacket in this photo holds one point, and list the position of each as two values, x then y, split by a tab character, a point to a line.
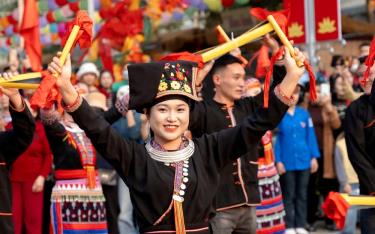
296	151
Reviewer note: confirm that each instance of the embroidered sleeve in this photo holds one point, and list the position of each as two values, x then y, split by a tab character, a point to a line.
289	101
122	104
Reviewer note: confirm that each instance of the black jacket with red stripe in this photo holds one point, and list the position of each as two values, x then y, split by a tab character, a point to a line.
12	144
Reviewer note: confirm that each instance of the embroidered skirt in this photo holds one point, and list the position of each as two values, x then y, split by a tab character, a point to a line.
77	209
270	213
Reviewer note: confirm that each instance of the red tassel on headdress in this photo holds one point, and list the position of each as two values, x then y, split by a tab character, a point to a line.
267	81
369	61
184	56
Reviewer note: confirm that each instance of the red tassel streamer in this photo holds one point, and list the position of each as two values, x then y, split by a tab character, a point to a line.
369	61
268	76
267	81
312	80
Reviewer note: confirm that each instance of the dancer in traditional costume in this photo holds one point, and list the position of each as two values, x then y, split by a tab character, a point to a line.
77	201
12	144
173	180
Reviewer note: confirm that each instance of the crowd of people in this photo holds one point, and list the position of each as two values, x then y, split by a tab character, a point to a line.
159	153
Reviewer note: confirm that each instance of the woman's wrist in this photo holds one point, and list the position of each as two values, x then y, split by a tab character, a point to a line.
69	94
73	105
16	102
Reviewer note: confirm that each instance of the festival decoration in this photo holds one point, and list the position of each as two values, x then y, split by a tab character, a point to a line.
327	20
29	30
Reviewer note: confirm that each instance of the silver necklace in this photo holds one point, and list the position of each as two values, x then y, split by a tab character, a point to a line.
171	156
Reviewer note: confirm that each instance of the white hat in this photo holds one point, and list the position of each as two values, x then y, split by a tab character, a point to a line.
87	68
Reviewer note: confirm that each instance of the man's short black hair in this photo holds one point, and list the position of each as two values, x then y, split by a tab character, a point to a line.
367	43
223	61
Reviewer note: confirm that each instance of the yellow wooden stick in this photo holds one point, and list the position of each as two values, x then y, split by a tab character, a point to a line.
20	85
69	44
237	42
283	38
222	33
359	200
21	77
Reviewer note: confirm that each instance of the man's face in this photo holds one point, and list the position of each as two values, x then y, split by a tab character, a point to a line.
230	81
364	50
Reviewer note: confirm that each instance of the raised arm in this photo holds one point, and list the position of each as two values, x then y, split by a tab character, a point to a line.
118	151
15	142
232	143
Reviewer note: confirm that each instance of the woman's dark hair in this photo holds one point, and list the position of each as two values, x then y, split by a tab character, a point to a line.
337	60
168	97
332	81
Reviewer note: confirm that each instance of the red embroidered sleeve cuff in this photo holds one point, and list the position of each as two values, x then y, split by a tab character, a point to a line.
289	101
74	106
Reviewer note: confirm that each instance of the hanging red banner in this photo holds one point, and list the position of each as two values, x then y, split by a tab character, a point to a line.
327	20
296	22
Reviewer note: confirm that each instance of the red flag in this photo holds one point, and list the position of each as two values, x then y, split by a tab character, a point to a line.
296	21
327	20
29	30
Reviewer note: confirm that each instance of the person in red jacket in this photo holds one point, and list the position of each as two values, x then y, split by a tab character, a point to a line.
27	177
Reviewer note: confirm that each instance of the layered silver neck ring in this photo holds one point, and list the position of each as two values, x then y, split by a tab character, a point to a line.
171	156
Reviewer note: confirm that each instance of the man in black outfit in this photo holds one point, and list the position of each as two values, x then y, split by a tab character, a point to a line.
238	192
359	128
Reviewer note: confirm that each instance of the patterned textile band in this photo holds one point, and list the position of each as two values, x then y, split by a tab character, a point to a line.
270	213
77	209
71	174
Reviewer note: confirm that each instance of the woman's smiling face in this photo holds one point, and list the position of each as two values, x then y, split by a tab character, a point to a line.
169	120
